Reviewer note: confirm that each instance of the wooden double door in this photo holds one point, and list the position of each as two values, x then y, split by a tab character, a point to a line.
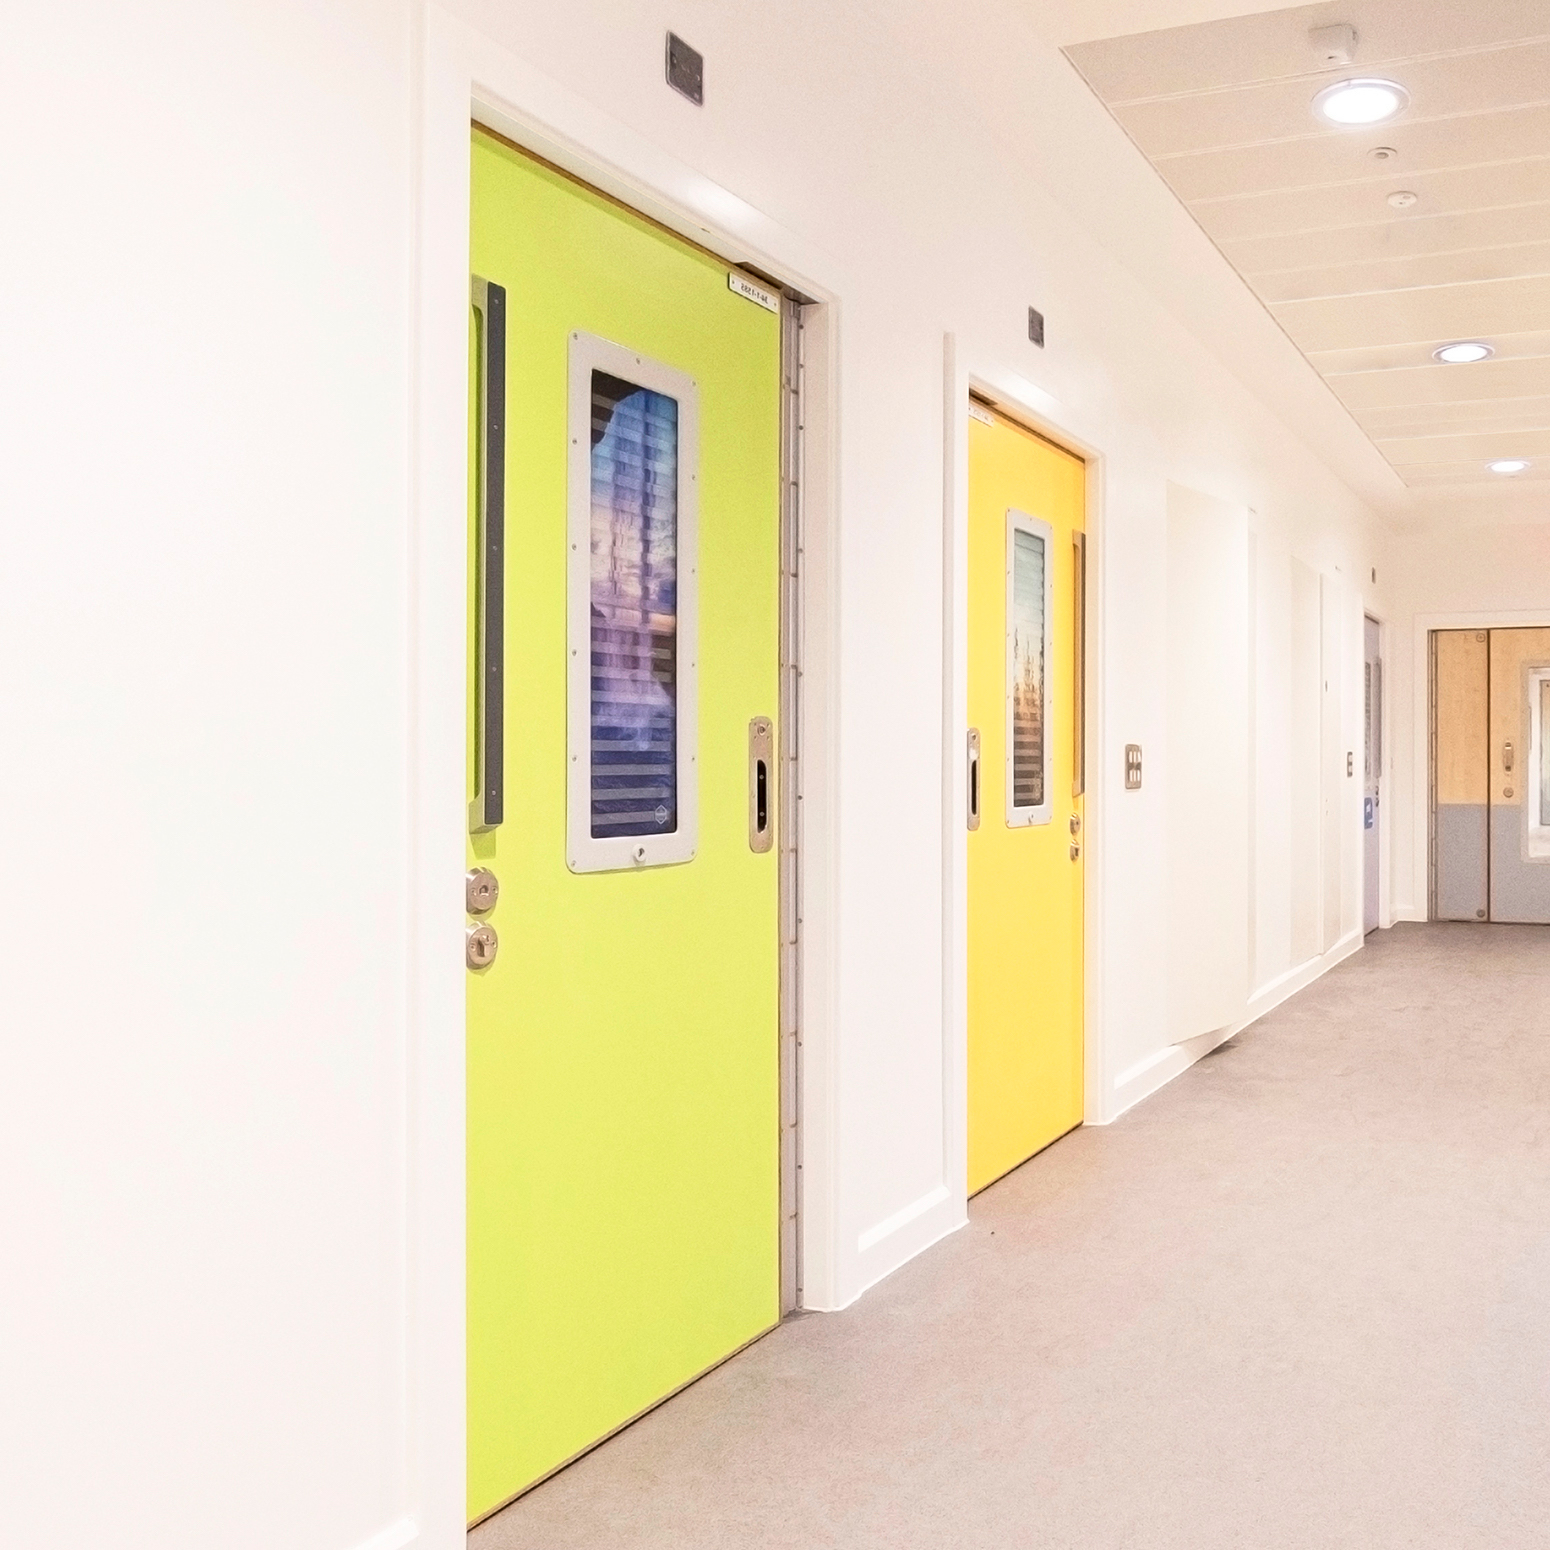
1490	840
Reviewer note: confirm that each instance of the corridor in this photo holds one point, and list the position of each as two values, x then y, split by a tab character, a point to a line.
1299	1299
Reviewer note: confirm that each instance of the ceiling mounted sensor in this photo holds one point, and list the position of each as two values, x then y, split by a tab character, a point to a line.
1334	45
1402	199
1366	100
1508	465
1462	353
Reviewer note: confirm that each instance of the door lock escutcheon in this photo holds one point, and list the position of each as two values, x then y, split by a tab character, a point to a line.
1076	823
480	944
481	889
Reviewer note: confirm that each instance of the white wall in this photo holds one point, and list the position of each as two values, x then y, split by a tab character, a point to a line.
1207	764
204	287
208	706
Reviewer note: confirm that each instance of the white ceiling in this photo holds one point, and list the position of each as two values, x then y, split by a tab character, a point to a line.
1222	109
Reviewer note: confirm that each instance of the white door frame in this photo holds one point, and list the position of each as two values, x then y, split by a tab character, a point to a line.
465	76
1027	403
1385	784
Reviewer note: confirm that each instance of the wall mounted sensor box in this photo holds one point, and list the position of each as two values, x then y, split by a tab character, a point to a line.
685	69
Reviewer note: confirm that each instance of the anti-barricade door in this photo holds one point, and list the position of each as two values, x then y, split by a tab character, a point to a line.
623	1105
1025	841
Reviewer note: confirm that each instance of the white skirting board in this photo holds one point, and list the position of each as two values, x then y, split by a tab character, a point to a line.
897	1239
1146	1076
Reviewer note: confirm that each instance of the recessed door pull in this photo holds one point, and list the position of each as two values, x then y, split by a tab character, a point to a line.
761	764
1507	756
974	777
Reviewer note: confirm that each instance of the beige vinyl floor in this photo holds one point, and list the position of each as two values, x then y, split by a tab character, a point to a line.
1300	1298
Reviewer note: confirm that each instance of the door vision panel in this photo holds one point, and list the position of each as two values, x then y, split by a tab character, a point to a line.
623	1091
1026	506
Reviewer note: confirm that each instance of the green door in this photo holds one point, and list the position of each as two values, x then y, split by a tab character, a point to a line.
623	1182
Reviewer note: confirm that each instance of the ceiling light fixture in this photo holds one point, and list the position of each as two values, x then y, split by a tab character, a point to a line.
1362	101
1508	465
1462	353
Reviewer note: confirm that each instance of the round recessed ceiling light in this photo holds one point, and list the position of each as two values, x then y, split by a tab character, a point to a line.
1508	465
1463	352
1366	101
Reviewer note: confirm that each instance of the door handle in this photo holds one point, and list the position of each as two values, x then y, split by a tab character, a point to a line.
761	760
974	777
1507	756
488	806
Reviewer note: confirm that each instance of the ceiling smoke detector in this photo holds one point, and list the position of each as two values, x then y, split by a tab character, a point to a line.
1402	199
1508	465
1366	100
1462	353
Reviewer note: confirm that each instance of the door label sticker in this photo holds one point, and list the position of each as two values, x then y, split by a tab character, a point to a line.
751	292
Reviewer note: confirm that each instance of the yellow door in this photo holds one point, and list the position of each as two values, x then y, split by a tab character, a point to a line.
623	1081
1026	506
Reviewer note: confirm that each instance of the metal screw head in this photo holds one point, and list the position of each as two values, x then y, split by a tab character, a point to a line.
480	944
480	891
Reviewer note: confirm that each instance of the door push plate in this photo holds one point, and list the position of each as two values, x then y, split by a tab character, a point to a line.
761	784
480	944
480	891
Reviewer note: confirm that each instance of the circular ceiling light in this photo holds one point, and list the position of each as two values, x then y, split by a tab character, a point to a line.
1363	101
1462	353
1508	465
